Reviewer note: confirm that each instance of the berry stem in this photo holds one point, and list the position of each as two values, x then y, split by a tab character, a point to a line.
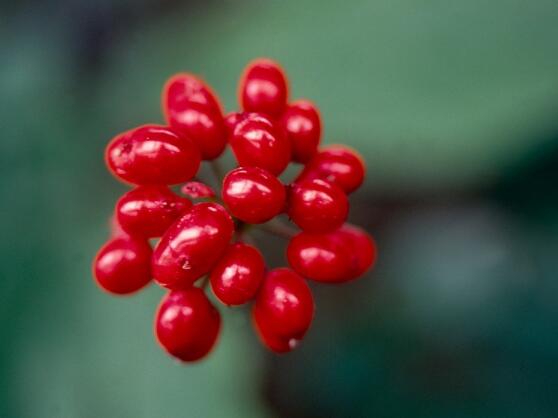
277	228
204	282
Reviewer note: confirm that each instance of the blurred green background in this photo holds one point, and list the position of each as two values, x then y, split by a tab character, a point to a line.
454	105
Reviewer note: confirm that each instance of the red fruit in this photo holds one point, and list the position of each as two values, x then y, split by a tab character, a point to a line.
148	211
333	257
192	246
283	310
238	275
187	324
361	246
273	342
121	266
256	142
336	164
192	108
318	257
253	195
263	88
197	190
303	127
317	206
152	154
231	121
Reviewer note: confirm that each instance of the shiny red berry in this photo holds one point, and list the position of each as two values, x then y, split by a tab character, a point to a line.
316	256
237	276
187	324
361	246
256	142
152	154
303	127
148	211
197	190
122	265
333	257
253	195
336	164
192	245
283	310
263	88
273	342
192	108
231	120
317	206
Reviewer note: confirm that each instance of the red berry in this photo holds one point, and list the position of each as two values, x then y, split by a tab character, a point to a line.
302	124
256	142
317	206
361	246
333	257
263	88
148	211
197	190
318	257
253	195
283	310
152	154
231	120
192	245
191	107
122	265
273	342
187	324
238	275
336	164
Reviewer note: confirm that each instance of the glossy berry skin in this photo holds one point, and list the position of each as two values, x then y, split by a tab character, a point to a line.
253	195
317	206
231	120
336	164
302	125
148	211
152	154
121	266
333	257
192	108
361	246
257	142
279	345
197	190
187	324
263	88
192	246
283	310
319	257
237	276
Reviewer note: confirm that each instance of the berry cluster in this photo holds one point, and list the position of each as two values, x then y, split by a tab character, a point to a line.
208	241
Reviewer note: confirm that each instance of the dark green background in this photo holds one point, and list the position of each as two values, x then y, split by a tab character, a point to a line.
454	105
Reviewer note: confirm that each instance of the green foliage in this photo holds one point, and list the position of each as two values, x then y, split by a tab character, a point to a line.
443	98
